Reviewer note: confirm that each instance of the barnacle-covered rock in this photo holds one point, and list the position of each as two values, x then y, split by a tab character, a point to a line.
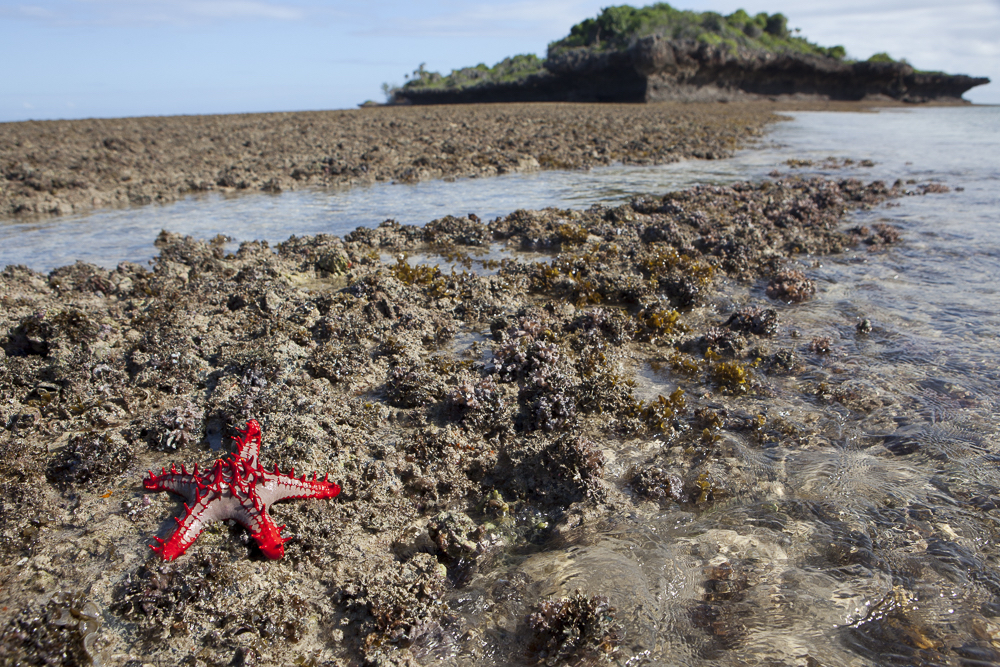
790	285
821	345
455	534
754	320
717	342
656	483
606	388
186	598
574	629
401	604
603	323
412	385
177	427
481	405
459	231
21	496
60	631
90	459
31	336
553	474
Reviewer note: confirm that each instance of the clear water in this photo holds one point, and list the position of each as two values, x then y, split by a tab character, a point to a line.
874	540
111	236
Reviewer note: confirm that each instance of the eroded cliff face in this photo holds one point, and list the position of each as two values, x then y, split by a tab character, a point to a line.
686	69
655	69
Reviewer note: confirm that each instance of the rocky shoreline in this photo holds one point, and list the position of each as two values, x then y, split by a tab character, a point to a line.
473	416
61	167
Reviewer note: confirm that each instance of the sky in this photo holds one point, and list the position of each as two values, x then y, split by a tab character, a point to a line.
114	58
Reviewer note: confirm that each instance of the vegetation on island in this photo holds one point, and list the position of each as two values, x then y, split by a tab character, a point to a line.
883	57
509	69
617	28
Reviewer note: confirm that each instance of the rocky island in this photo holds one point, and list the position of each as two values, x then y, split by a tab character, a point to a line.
658	53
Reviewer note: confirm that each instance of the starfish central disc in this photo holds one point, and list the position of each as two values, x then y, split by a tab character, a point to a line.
238	488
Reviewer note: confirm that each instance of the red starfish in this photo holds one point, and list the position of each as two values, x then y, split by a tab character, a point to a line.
234	488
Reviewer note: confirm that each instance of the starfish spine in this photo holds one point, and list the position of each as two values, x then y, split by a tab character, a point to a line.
237	488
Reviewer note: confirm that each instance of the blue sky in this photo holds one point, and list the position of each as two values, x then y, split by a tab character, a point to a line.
111	58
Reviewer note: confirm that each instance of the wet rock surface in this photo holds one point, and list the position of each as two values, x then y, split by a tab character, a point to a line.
478	421
61	167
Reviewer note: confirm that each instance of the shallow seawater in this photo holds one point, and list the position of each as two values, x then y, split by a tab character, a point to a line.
873	540
878	540
108	237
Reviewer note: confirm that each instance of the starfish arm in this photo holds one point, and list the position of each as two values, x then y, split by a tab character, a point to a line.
207	508
276	486
182	483
252	515
249	442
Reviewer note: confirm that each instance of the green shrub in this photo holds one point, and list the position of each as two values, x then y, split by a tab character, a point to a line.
713	22
777	25
617	27
507	70
881	57
738	19
837	52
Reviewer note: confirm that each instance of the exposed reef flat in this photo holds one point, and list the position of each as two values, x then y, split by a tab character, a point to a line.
59	167
479	422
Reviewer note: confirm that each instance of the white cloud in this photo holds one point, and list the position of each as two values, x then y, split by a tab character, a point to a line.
33	11
239	9
548	20
30	13
147	12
